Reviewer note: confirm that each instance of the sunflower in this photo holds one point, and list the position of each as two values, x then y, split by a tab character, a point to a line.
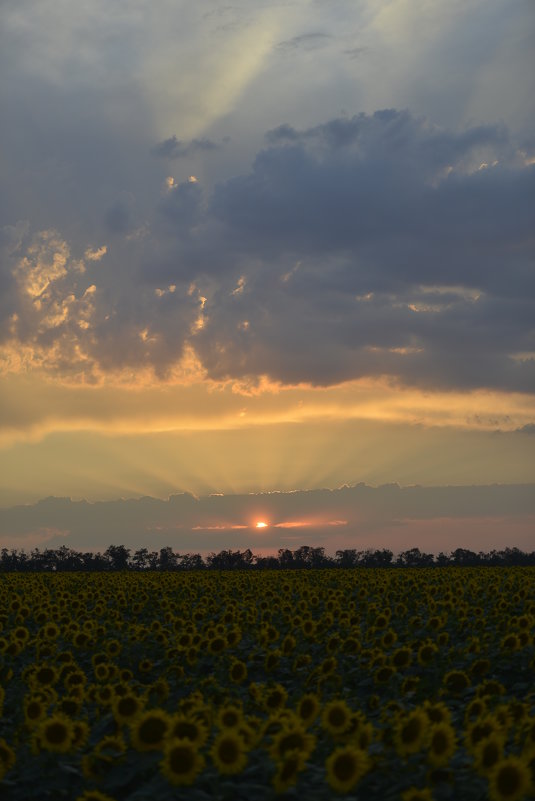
488	753
288	770
481	730
288	644
275	698
230	717
181	762
110	748
50	631
238	671
411	732
336	717
292	738
187	728
113	648
437	712
228	752
308	708
104	695
474	710
69	706
345	766
55	733
327	667
81	733
217	645
44	676
456	681
490	687
35	708
510	642
7	758
389	638
509	780
149	729
76	678
442	744
126	707
401	658
384	674
426	652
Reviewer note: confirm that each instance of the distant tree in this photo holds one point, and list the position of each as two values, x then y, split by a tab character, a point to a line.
464	557
347	558
168	560
286	557
140	559
117	557
379	558
192	561
415	558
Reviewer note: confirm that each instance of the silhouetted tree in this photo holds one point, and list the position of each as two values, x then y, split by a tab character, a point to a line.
117	556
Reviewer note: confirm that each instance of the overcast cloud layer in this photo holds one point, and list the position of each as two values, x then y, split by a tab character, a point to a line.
168	206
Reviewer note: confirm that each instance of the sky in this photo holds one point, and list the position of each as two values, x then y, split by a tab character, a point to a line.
269	252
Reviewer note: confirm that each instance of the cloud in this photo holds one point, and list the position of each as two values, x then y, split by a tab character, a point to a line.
305	41
357	514
173	148
377	246
529	428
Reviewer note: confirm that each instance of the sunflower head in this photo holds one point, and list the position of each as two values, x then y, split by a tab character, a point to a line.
230	717
288	770
308	708
181	761
292	738
488	752
509	780
149	730
55	733
228	752
345	767
184	727
126	707
411	732
442	744
238	671
336	717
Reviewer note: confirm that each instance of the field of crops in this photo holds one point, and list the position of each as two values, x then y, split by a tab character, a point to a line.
410	684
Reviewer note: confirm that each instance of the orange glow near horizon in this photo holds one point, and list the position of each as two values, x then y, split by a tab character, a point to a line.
307	523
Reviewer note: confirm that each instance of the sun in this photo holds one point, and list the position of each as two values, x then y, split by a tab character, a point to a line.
261	524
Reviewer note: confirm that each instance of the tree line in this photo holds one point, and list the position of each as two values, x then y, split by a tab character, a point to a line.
118	557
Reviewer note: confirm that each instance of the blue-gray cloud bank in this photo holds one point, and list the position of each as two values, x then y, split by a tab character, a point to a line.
372	245
351	516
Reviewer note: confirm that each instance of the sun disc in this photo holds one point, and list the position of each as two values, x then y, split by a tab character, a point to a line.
261	524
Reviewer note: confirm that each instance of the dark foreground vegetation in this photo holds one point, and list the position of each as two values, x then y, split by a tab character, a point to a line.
118	557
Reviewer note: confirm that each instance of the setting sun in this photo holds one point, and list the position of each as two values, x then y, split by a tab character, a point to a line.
261	524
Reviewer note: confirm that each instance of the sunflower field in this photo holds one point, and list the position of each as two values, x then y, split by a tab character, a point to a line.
410	684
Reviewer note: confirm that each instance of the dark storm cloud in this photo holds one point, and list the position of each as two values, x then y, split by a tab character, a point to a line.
173	148
388	246
377	245
188	523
